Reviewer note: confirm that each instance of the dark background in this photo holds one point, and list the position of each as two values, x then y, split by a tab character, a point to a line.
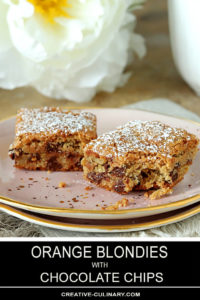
180	268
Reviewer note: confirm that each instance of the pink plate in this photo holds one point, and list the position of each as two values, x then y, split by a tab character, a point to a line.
38	191
102	225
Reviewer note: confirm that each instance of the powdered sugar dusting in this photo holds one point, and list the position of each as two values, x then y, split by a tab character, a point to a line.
142	136
52	120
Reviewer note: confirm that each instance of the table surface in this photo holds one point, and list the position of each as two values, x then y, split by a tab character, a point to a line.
154	76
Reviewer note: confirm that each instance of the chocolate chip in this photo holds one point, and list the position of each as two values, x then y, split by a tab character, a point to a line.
174	177
12	154
119	187
38	156
174	173
53	164
106	166
96	177
119	172
35	141
70	155
144	175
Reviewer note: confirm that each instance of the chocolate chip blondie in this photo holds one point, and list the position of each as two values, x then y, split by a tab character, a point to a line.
141	155
51	138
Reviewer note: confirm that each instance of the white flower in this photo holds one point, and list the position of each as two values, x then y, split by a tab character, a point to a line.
67	48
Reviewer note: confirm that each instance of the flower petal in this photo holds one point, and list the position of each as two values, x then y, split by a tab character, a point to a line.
16	71
103	73
5	42
73	58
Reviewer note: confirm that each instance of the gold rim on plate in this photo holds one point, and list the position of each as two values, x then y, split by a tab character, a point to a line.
146	225
176	204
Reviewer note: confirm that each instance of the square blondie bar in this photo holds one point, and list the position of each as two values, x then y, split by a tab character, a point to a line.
51	138
141	155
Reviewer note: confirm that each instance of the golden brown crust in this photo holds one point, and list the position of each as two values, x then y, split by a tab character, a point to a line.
140	155
53	124
150	138
51	138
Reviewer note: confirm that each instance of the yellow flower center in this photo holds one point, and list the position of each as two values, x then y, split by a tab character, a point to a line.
51	9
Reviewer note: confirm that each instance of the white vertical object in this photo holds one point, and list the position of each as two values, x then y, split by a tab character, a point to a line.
184	26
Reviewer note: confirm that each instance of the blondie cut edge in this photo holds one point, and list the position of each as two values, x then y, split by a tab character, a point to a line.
51	138
141	155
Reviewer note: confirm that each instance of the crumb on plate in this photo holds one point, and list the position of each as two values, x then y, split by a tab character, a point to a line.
88	188
121	203
62	184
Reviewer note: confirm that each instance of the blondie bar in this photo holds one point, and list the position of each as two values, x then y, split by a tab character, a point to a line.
51	138
141	155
